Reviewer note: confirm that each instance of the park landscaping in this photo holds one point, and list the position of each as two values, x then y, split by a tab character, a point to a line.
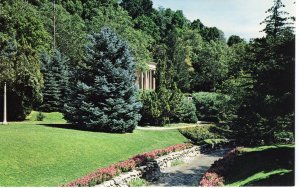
79	77
50	155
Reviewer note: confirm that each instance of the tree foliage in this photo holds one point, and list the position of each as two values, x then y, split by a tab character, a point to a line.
136	8
211	66
70	31
119	20
56	78
268	108
103	95
234	39
22	37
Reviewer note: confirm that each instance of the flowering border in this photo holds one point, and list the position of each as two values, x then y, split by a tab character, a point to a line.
107	173
214	176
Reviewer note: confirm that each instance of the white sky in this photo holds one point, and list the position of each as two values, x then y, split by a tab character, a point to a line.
233	17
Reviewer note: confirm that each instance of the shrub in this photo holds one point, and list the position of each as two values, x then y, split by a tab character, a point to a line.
186	112
176	162
211	106
159	107
151	110
103	95
199	134
40	116
211	180
284	137
127	165
138	183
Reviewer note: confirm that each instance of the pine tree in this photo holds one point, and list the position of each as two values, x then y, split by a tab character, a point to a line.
55	73
51	94
277	22
60	71
103	95
269	105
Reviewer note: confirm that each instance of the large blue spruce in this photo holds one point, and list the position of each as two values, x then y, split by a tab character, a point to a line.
102	92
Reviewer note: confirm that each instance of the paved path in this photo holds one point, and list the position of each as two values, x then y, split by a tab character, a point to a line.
151	128
188	174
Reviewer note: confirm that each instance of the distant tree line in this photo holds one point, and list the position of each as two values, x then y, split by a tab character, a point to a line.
257	76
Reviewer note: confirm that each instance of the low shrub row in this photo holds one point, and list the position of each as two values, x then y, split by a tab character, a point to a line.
107	173
214	176
166	106
199	134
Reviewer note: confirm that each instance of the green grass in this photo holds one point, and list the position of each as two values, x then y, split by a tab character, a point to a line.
258	177
52	117
138	183
177	162
263	166
45	155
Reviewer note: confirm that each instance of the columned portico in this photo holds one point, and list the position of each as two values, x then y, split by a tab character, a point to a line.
146	80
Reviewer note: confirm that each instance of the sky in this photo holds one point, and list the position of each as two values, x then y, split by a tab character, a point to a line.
233	17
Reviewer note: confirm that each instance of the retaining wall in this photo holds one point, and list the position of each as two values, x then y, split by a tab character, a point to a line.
152	170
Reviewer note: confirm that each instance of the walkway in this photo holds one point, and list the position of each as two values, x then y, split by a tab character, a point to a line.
178	126
188	174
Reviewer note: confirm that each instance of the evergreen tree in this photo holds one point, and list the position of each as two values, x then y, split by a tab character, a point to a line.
60	70
269	106
55	73
51	94
103	95
277	21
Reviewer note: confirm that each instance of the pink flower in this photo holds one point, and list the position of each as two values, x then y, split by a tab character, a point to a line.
107	173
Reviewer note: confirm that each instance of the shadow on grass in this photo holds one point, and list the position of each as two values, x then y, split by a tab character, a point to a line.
285	179
249	163
74	127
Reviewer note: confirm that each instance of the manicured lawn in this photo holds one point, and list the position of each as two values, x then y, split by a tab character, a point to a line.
52	118
42	155
263	166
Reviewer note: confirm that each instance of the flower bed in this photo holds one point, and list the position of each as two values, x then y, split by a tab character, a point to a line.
107	173
214	176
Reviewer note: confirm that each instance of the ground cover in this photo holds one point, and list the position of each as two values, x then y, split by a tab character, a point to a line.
43	154
263	166
256	166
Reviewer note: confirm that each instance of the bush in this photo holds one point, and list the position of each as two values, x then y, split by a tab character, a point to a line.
200	134
160	106
138	183
151	110
186	112
40	116
284	137
211	106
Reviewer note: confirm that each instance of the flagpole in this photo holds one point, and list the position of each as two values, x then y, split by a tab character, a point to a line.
4	106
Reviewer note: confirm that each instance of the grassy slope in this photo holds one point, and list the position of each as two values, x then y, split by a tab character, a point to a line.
40	155
263	166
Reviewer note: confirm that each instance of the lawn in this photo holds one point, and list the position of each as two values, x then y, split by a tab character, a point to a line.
33	154
263	166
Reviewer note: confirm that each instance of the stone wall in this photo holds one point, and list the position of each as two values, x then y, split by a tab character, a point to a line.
151	171
184	155
123	179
